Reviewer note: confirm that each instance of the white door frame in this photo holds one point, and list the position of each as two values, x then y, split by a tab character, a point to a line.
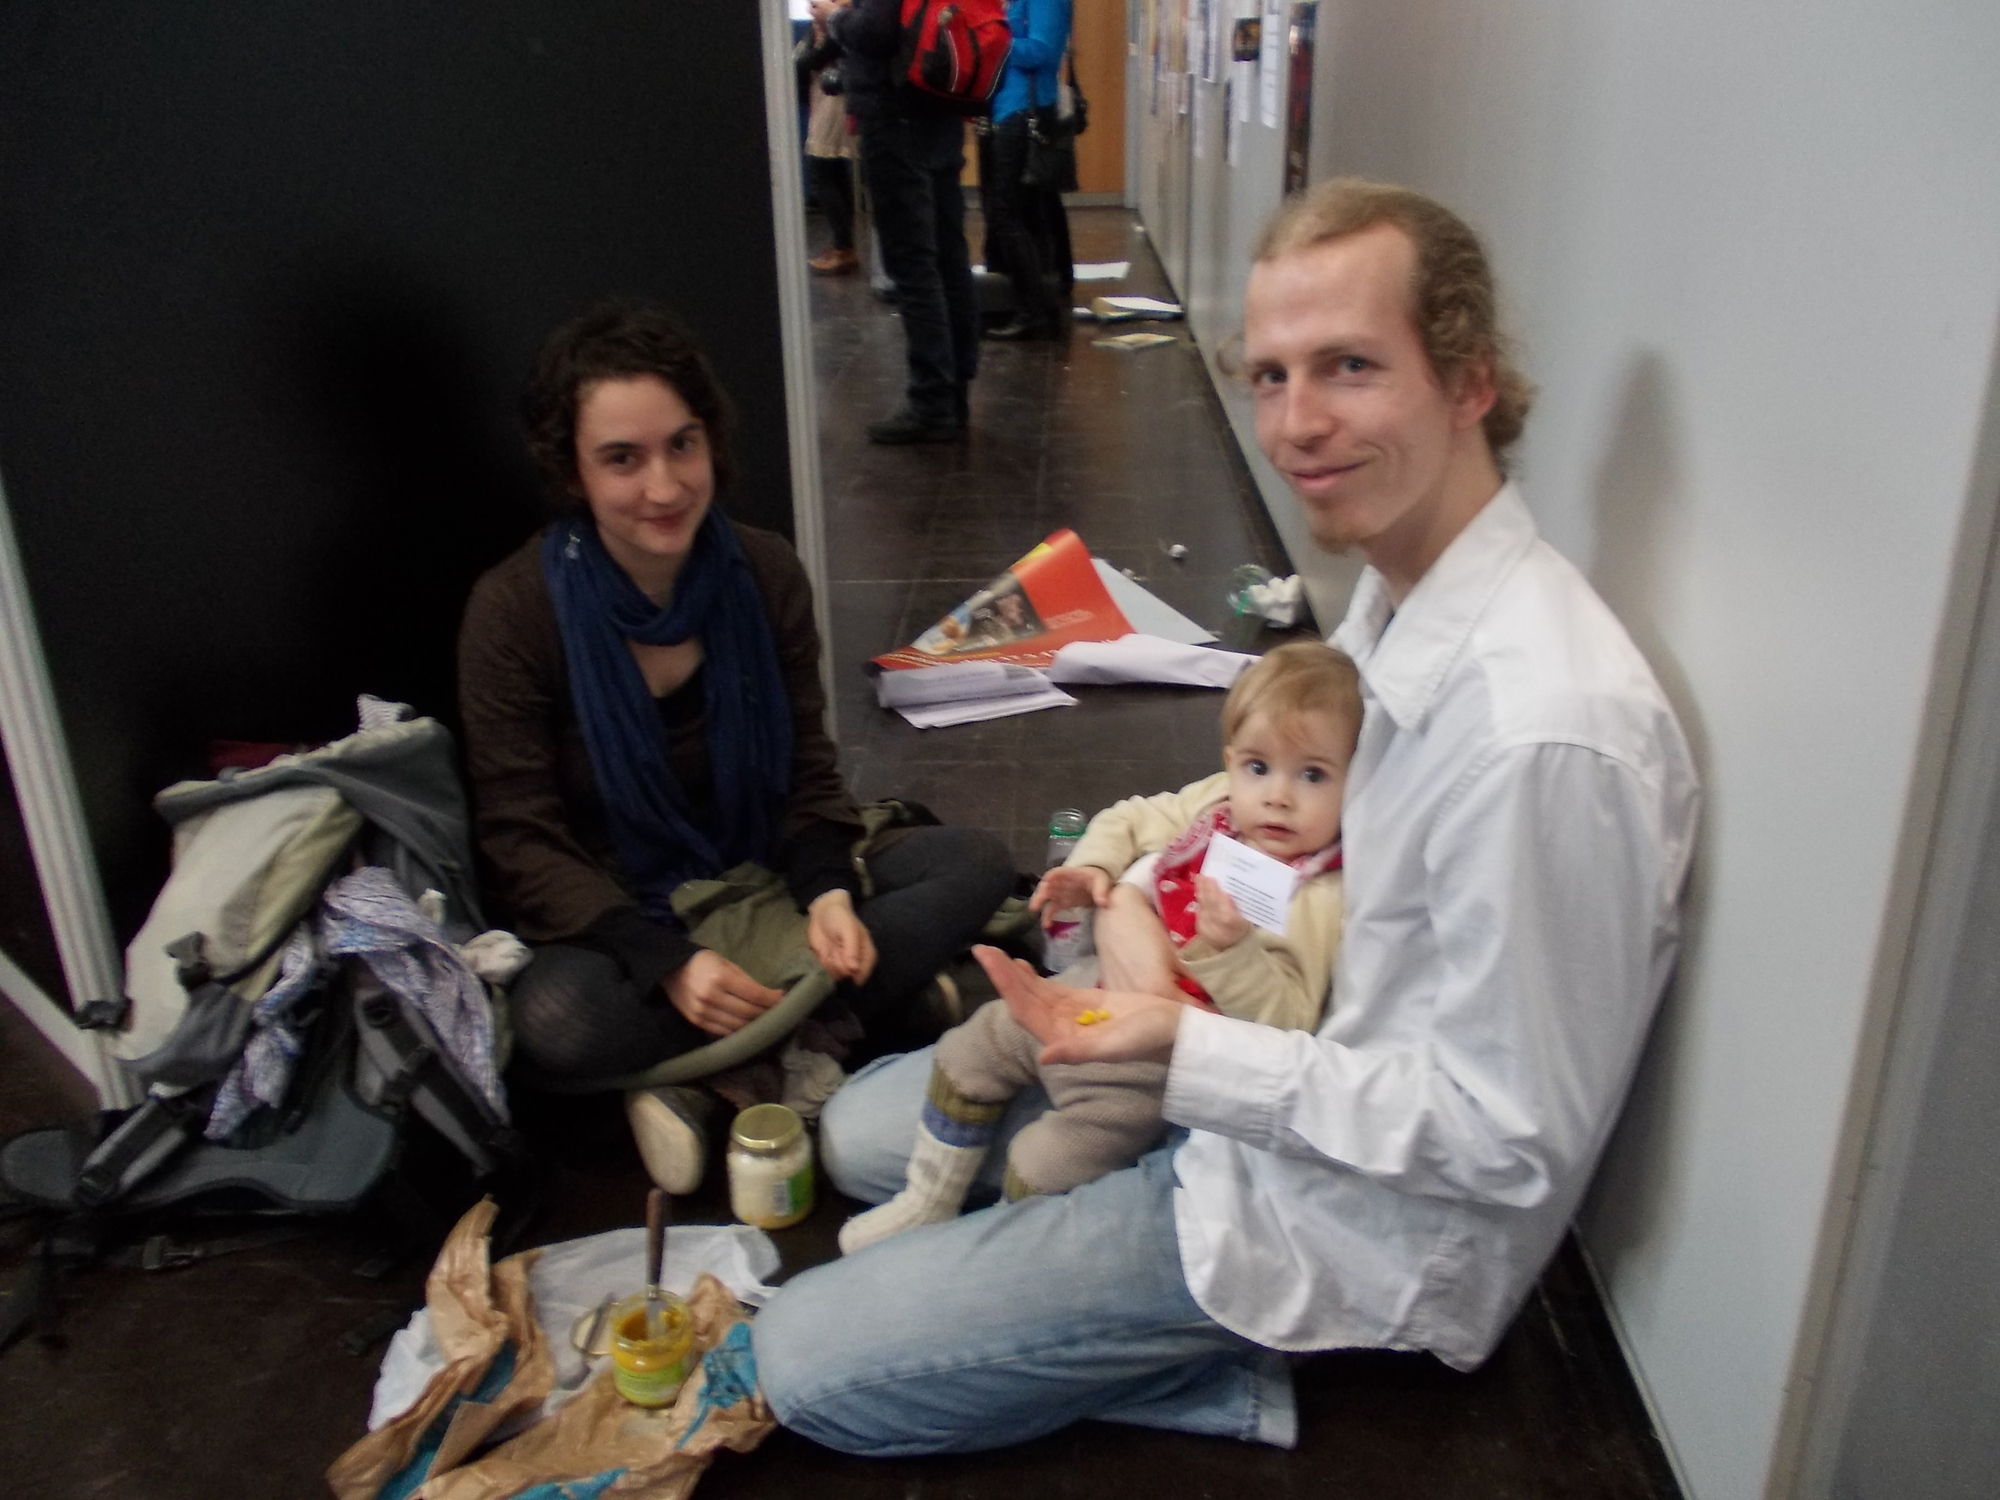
788	222
59	840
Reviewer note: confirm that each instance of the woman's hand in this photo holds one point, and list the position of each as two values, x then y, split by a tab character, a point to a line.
840	940
1067	887
1216	917
1140	1028
716	995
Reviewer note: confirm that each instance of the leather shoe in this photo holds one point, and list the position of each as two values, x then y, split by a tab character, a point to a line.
1014	331
834	262
907	426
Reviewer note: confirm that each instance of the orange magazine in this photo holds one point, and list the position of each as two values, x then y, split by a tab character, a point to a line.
1046	600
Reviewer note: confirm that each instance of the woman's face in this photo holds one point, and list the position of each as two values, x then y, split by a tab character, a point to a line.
645	469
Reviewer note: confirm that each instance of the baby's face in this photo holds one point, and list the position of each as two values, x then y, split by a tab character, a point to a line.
1286	781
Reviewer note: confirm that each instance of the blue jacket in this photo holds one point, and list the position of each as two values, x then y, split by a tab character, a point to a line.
1041	36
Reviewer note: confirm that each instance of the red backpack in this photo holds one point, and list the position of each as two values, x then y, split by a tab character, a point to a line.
954	49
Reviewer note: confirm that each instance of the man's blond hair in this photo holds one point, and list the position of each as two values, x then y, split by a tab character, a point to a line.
1452	301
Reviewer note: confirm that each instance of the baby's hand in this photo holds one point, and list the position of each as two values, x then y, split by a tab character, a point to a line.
1217	920
1069	886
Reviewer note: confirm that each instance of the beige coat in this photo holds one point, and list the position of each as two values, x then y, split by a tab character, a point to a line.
1278	981
826	127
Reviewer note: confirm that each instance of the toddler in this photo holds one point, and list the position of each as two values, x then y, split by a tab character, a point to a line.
1289	726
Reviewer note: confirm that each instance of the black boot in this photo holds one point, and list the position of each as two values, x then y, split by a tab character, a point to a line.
907	425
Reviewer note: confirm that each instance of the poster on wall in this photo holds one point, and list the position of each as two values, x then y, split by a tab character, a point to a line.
1204	122
1298	110
1243	50
1270	65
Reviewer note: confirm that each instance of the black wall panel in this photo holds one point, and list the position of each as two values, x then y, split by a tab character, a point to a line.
270	276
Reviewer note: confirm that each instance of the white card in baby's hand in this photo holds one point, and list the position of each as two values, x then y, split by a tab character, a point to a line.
1260	886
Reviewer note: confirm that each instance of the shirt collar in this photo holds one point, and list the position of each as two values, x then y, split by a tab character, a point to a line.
1404	654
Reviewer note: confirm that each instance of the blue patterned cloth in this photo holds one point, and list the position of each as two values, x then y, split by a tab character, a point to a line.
728	1375
367	913
264	1071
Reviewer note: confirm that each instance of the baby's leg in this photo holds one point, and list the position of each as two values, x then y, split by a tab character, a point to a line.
981	1065
1106	1116
1133	949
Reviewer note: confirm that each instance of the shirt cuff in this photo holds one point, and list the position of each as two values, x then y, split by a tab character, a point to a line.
646	949
1225	1075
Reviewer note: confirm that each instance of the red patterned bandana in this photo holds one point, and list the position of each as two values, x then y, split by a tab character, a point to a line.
1181	861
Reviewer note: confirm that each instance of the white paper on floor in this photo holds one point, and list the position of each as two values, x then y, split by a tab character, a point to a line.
953	682
1146	658
1146	612
967	693
1103	270
977	710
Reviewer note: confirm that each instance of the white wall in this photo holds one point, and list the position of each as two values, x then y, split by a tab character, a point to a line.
1754	249
1204	211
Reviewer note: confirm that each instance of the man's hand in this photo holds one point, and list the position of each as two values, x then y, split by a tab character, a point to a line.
716	995
1140	1028
839	939
1067	887
821	9
1216	917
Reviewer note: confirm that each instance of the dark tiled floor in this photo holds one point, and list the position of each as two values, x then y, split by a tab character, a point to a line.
226	1378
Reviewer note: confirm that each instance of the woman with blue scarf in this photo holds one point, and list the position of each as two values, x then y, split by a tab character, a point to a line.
642	705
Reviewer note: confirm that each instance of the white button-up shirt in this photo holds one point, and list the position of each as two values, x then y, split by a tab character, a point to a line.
1517	828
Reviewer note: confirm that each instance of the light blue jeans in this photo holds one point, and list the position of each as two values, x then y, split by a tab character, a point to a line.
1006	1323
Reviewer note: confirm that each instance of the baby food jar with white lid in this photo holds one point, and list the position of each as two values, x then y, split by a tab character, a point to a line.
770	1167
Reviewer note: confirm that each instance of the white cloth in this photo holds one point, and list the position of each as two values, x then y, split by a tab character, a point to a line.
1518	822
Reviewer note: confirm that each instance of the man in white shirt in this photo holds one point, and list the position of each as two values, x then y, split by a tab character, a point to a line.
1518	821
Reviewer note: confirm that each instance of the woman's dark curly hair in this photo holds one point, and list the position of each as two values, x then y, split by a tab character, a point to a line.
616	340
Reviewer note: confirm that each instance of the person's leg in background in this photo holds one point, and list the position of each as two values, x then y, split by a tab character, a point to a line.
947	157
935	890
1013	1322
896	155
1014	240
1052	225
833	191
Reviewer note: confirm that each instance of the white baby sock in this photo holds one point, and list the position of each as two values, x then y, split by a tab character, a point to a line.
934	1189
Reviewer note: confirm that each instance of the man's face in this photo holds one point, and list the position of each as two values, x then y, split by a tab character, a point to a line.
1348	408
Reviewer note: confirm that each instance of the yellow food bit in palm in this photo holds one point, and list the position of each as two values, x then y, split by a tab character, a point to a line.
1092	1017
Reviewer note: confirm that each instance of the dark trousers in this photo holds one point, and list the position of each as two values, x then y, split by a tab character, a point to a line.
577	1015
1022	225
911	164
832	184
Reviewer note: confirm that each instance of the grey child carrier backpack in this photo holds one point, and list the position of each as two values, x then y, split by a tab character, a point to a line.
296	993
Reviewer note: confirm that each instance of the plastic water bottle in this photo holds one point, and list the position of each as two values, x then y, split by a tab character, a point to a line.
1066	825
1067	938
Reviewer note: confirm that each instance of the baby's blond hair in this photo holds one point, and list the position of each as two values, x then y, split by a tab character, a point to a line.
1299	677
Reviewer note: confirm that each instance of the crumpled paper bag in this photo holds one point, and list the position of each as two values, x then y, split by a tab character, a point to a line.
630	1452
497	1367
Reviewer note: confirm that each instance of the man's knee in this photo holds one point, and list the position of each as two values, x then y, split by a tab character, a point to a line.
865	1133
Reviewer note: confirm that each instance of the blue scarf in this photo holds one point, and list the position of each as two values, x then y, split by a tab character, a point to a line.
749	717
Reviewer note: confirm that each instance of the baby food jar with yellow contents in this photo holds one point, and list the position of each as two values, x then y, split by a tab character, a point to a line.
652	1348
770	1167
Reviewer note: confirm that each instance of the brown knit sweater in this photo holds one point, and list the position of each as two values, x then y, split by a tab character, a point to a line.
539	819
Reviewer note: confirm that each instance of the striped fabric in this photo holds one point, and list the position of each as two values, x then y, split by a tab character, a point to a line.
956	1120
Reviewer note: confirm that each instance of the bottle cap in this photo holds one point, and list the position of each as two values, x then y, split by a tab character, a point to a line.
766	1127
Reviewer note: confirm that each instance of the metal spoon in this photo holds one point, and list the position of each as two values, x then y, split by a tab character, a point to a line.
589	1343
659	1213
